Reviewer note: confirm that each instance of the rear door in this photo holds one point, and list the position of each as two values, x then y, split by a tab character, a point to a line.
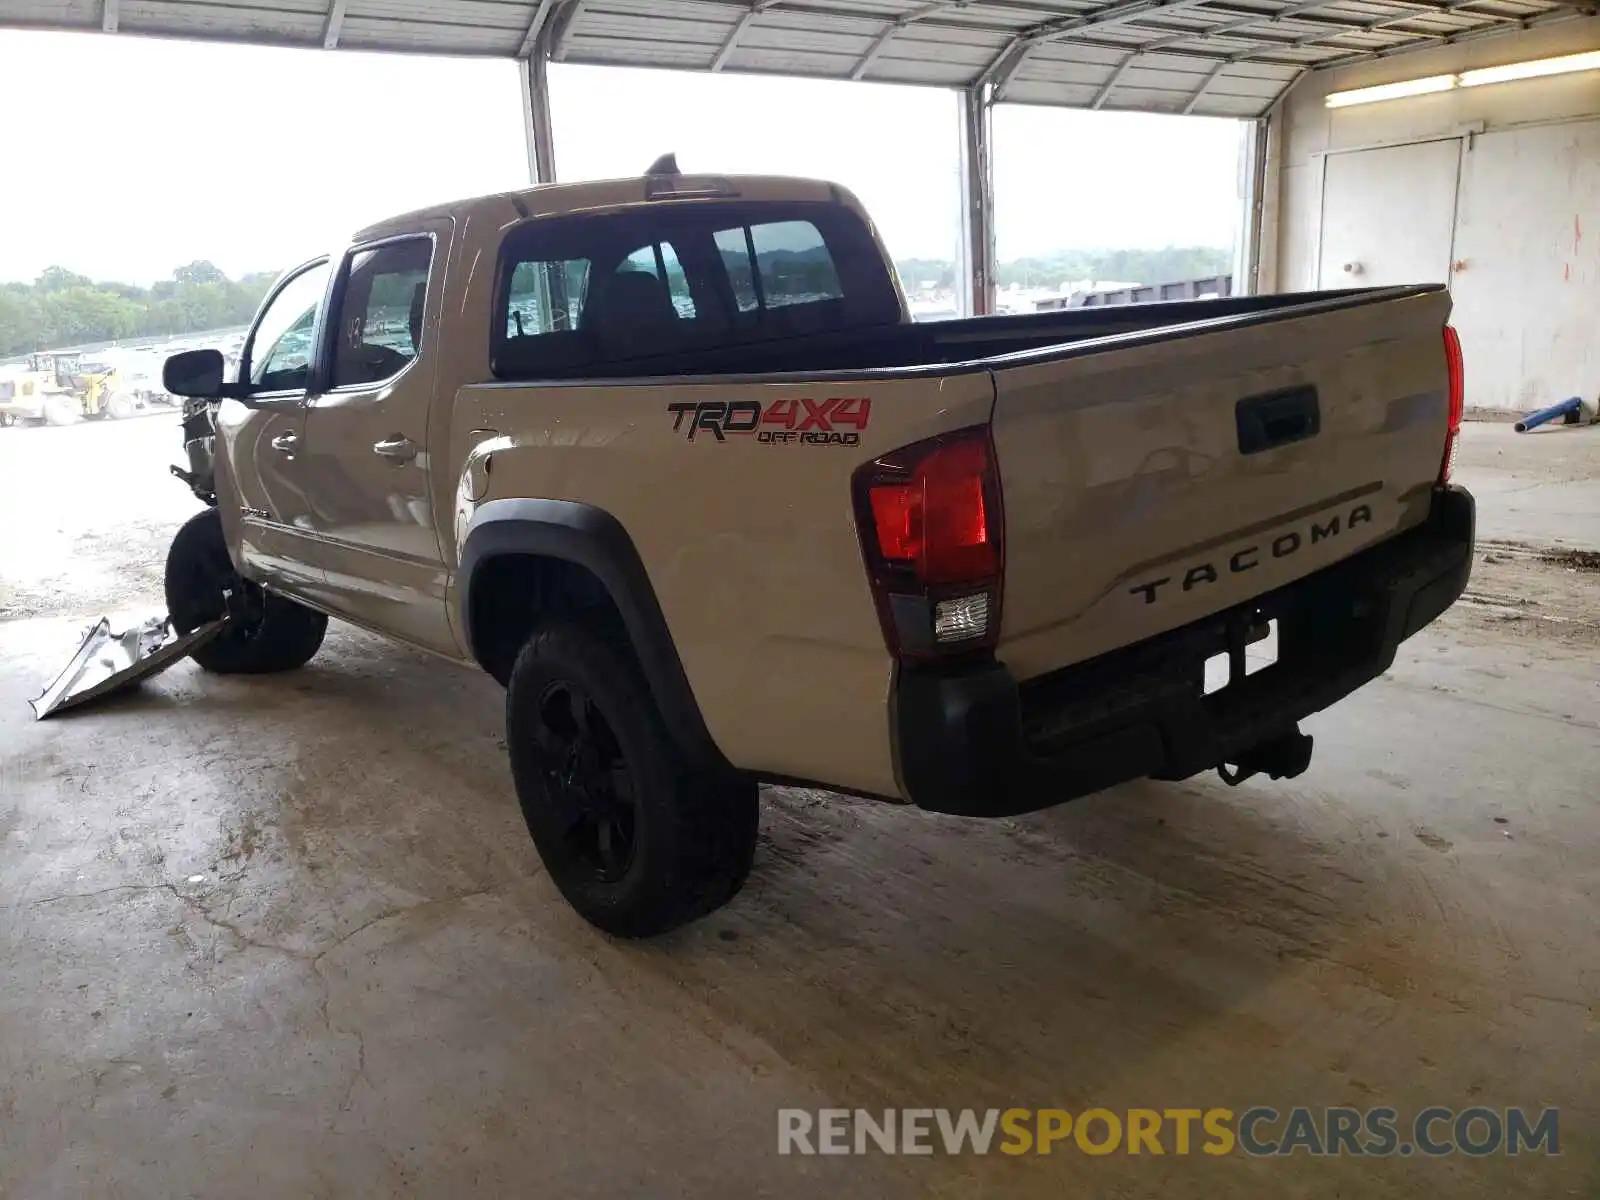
365	457
1152	479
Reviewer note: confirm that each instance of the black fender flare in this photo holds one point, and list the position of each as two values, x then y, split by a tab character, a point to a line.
592	538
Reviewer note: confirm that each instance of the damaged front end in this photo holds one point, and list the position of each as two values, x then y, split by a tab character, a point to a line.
108	662
199	448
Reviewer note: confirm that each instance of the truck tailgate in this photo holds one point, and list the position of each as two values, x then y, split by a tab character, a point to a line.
1155	478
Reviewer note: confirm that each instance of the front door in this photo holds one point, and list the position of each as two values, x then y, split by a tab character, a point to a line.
1388	215
365	452
263	499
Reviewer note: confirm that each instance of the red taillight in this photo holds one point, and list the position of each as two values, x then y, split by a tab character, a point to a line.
937	522
931	533
1458	401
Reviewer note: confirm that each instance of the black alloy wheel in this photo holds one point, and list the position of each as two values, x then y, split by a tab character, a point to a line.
635	840
587	779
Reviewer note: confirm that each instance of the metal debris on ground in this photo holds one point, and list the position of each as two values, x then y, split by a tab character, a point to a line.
107	662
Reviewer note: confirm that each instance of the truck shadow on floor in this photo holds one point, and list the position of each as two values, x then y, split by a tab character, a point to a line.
891	952
904	956
892	955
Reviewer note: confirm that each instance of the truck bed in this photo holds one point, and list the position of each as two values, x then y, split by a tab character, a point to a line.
902	347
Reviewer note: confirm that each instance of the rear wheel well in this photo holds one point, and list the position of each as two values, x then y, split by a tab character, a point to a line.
511	593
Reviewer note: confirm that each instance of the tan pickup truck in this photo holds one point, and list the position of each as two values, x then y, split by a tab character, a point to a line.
667	458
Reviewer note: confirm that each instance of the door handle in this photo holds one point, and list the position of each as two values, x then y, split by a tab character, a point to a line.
285	443
1277	418
397	448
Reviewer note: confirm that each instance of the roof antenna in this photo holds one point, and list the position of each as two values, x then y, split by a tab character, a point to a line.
667	164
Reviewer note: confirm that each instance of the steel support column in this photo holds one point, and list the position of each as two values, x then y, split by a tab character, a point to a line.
977	281
1252	189
536	122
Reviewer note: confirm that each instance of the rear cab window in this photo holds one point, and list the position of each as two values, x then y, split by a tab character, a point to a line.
589	295
776	263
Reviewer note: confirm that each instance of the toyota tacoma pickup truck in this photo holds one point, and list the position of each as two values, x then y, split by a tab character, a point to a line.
669	460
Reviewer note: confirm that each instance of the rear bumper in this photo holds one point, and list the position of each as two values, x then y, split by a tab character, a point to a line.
976	743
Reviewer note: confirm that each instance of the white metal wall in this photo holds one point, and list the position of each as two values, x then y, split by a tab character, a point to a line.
1495	190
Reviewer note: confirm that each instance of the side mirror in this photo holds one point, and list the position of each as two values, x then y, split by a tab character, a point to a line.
196	374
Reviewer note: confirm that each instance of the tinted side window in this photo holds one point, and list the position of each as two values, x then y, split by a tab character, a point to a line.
793	264
588	290
278	356
380	312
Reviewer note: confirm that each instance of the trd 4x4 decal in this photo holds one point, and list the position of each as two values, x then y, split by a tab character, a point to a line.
835	421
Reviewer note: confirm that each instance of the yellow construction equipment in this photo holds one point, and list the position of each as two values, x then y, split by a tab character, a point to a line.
59	387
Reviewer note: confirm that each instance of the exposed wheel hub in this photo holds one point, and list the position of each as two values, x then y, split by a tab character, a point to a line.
219	591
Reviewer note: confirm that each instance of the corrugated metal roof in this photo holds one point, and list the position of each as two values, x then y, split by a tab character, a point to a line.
1228	58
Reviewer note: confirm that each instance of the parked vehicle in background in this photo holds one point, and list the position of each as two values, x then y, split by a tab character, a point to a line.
19	399
43	390
668	458
105	391
60	387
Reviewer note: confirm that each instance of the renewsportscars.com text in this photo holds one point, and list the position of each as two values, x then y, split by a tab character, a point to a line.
1259	1131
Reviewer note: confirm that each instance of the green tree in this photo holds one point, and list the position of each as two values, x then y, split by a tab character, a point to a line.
62	308
914	272
199	271
20	327
59	279
88	314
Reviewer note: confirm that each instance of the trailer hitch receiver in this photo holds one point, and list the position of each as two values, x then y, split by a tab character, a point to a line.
1282	757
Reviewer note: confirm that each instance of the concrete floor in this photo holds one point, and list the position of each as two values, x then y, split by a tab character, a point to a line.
287	936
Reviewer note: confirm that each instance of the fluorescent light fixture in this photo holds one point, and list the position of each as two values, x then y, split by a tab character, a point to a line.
1534	69
1564	65
1391	91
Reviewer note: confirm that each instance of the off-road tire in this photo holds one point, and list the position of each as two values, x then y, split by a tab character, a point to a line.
269	632
121	406
693	834
62	410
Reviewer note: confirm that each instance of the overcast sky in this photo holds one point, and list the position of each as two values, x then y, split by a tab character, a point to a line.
134	156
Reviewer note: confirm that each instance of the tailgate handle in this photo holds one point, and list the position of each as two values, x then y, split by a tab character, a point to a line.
1277	418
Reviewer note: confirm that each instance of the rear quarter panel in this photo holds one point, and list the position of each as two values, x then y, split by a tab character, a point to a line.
750	545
